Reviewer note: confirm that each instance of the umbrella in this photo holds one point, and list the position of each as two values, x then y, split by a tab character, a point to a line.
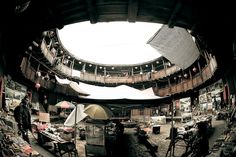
98	112
75	117
65	104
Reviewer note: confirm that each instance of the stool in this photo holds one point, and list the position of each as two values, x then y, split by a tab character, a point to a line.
55	145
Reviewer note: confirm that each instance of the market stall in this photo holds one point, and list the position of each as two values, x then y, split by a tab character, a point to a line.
62	142
95	139
11	143
100	138
100	133
57	139
54	137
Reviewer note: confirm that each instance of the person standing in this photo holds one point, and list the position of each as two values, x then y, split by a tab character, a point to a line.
201	145
45	103
215	104
119	128
23	118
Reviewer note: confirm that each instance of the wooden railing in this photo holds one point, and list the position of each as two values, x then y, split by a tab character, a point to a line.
91	77
186	84
136	78
206	73
30	73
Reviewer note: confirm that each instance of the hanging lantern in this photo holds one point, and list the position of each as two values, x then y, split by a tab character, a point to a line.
30	48
37	86
45	33
194	69
38	73
185	75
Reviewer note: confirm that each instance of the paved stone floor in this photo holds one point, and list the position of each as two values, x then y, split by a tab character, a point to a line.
129	146
163	144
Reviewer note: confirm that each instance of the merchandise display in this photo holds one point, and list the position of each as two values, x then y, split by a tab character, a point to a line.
57	136
11	144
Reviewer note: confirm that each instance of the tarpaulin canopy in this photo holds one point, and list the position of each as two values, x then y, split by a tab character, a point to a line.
120	94
177	45
62	81
73	85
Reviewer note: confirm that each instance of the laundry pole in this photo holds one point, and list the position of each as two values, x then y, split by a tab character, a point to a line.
172	129
75	125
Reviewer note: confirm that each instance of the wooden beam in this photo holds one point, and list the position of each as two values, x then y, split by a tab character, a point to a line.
132	10
93	17
173	16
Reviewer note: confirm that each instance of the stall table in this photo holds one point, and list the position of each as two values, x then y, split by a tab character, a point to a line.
60	145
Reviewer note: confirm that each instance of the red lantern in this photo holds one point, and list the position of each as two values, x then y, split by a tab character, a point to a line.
37	86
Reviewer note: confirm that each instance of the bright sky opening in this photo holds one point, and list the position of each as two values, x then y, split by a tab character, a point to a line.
114	43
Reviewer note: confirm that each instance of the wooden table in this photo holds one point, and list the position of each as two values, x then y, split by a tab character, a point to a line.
60	146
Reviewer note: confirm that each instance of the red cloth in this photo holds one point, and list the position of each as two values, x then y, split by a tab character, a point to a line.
27	149
42	127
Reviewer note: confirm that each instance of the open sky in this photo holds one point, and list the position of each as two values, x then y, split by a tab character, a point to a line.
113	43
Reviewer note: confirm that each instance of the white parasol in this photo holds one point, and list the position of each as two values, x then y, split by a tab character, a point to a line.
75	116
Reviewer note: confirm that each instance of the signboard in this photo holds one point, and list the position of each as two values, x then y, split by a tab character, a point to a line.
44	117
185	104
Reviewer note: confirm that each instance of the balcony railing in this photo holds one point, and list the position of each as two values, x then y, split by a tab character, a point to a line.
205	74
186	84
30	73
91	77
